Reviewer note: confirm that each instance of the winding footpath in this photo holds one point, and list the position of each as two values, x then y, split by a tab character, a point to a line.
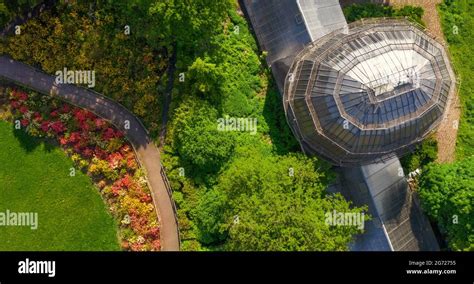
147	153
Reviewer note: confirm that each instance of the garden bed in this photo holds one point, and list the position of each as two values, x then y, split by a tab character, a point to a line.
101	151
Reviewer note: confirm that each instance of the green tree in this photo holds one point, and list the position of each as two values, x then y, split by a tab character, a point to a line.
4	14
447	194
190	23
205	79
197	139
258	205
210	217
9	9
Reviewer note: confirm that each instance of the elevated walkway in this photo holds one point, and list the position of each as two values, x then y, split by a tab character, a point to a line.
398	223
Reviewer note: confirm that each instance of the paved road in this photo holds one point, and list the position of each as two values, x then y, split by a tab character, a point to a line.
147	152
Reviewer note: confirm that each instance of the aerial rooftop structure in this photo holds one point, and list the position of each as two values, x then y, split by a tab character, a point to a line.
359	95
399	223
285	27
365	93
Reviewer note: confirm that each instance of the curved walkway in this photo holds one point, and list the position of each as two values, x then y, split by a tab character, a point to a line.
146	151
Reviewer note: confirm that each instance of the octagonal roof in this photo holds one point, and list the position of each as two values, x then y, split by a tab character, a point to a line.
361	95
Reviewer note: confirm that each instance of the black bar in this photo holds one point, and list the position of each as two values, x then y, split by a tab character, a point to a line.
253	265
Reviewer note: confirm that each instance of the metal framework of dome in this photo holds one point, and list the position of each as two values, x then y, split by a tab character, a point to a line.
285	27
366	93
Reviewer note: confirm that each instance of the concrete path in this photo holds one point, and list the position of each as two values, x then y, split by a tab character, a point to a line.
147	152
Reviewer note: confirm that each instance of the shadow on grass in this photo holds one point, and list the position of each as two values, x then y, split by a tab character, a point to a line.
29	143
274	114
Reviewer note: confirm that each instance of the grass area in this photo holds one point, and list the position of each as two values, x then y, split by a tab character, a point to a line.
457	19
34	177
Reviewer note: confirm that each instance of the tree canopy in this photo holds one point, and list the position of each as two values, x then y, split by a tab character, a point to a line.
258	205
447	194
190	23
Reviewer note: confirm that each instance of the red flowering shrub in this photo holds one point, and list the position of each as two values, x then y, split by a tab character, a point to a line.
138	224
87	152
99	153
156	245
117	187
114	160
65	108
136	247
98	147
45	126
146	198
85	127
58	127
80	115
37	117
74	137
14	104
77	148
19	95
108	134
22	96
132	164
127	181
119	134
99	123
153	233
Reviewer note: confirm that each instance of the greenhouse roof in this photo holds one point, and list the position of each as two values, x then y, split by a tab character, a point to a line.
285	27
359	96
397	223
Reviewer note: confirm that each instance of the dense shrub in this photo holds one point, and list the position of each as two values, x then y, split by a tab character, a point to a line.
425	153
258	205
197	140
217	175
12	8
447	195
356	12
128	67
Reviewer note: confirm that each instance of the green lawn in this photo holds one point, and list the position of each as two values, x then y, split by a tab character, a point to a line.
34	177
